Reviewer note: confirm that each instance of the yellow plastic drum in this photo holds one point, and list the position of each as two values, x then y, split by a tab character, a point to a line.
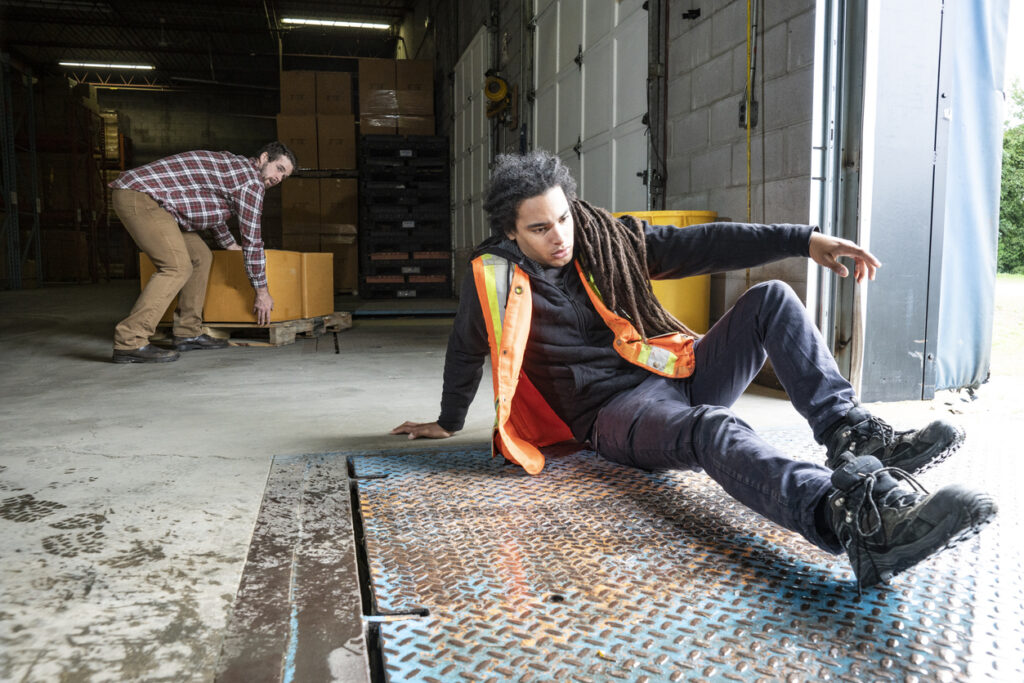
688	299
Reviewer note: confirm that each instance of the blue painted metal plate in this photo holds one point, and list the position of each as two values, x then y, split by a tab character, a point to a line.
597	572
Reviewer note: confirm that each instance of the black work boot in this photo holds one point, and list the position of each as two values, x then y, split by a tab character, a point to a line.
144	354
202	341
861	433
887	529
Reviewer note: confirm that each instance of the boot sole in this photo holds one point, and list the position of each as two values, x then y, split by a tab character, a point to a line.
197	347
924	464
129	359
979	511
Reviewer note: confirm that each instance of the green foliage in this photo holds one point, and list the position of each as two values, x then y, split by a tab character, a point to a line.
1011	200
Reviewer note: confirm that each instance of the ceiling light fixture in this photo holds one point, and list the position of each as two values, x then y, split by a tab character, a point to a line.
339	24
95	65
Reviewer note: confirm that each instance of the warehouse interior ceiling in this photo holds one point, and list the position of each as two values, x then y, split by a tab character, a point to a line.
193	43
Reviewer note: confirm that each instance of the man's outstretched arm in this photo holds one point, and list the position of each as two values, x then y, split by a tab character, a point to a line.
826	251
463	368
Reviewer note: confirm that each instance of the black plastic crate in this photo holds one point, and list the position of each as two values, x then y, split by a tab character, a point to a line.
405	291
403	146
411	267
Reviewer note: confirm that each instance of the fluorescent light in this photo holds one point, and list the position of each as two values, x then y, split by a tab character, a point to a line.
94	65
340	24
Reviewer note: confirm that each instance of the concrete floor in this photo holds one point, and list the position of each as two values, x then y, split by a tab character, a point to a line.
128	493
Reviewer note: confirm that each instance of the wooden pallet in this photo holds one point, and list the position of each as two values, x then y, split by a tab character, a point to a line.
279	333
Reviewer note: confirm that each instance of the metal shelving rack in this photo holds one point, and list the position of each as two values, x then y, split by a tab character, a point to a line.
15	199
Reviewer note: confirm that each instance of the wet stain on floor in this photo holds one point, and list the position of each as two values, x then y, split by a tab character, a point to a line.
94	593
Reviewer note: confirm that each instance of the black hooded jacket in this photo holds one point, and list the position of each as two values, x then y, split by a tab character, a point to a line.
569	356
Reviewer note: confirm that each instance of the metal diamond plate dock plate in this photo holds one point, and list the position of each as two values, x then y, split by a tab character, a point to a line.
596	572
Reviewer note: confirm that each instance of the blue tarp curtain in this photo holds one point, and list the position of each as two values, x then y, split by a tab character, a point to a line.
966	300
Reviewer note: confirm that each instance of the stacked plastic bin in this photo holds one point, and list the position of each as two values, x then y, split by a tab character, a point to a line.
404	217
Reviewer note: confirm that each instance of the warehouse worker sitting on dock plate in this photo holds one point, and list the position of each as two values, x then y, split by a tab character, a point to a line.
164	205
580	348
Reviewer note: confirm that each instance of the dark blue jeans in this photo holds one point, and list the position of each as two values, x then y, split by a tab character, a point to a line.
687	424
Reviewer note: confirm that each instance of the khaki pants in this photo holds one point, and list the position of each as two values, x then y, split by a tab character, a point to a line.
182	263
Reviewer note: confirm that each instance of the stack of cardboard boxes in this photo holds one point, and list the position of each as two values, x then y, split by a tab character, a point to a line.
320	203
317	120
396	97
320	214
319	211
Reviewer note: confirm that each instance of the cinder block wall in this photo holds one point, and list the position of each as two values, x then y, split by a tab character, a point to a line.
707	149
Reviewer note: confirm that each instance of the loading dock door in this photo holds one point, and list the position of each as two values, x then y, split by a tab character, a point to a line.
470	144
591	85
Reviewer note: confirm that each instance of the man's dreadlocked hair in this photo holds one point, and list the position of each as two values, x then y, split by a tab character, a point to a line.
613	251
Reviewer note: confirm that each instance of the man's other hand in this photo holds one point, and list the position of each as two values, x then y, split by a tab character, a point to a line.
235	246
262	306
826	251
422	430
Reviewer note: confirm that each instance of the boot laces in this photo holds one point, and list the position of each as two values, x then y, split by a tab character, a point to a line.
866	501
878	427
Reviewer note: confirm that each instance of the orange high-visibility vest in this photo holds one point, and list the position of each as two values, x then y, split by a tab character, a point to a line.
524	422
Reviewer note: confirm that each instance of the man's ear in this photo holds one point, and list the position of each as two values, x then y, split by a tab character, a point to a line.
264	158
511	236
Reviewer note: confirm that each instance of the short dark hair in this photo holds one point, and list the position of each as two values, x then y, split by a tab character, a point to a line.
277	149
518	177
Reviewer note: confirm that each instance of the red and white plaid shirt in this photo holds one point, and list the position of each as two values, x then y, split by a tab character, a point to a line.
202	190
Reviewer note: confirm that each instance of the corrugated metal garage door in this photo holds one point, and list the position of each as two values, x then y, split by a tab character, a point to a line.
591	84
470	142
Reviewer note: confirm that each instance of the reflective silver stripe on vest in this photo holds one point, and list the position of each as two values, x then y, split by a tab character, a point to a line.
498	274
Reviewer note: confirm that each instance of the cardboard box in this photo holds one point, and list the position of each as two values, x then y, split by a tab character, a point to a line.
298	92
317	284
300	285
334	92
346	260
298	132
334	229
300	242
336	140
378	124
339	200
377	93
414	83
229	296
415	125
300	206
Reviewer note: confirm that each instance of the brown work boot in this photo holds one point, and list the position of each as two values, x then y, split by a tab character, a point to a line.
145	354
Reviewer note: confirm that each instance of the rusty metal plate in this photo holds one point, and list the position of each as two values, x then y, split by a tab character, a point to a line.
298	613
597	572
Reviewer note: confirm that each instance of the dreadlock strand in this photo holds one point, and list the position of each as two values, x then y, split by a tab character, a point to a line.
614	252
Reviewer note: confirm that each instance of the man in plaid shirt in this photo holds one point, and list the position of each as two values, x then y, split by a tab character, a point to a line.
164	205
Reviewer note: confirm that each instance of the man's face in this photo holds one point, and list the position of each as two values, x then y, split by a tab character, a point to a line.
544	228
274	171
